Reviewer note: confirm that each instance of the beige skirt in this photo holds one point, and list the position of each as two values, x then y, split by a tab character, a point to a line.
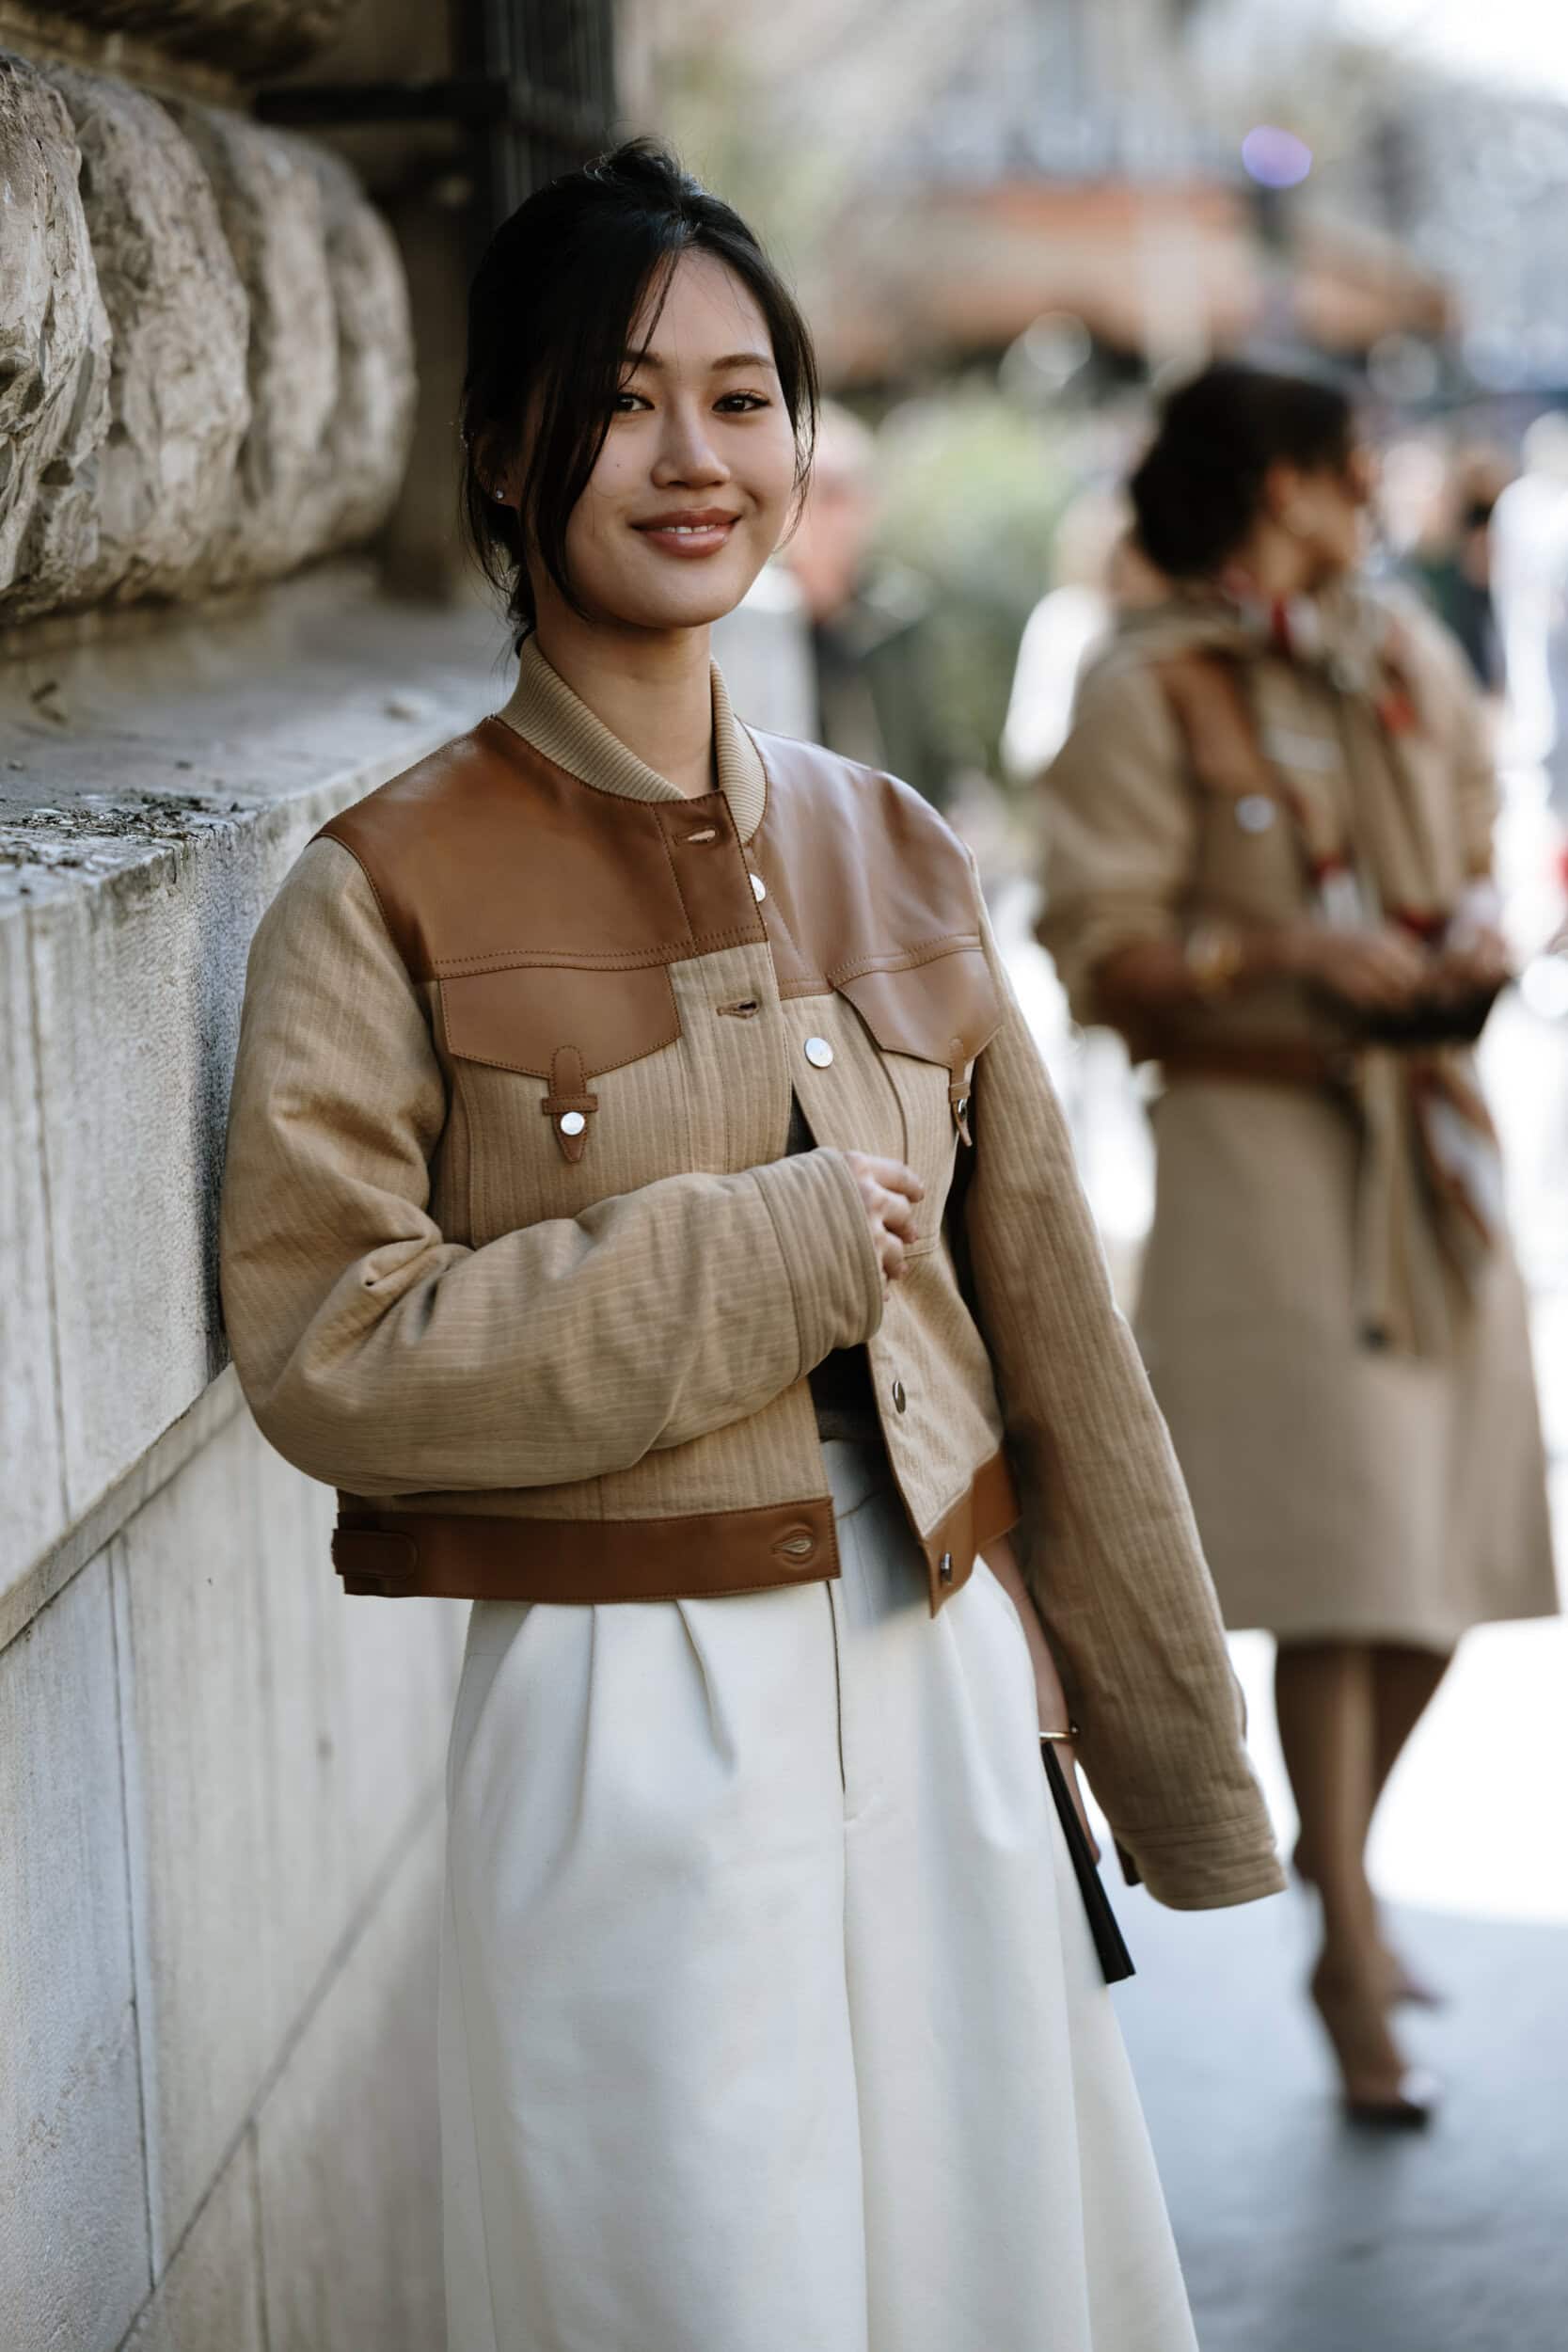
770	2019
1341	1492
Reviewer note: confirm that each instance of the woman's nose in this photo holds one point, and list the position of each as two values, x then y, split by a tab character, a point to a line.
687	453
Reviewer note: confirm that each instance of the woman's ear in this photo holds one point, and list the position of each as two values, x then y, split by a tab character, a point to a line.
496	474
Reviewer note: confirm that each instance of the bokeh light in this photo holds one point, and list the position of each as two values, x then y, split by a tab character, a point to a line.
1275	158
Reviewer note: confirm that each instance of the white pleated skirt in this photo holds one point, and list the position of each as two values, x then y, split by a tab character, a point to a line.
769	2017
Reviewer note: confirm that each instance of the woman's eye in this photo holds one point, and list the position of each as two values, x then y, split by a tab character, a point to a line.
626	404
747	402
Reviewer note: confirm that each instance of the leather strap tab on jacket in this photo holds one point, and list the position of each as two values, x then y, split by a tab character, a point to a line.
568	1105
395	1555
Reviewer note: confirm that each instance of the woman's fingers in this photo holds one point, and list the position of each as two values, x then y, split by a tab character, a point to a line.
892	1175
888	1190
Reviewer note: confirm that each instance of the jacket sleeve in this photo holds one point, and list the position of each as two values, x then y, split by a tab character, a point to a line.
1119	828
1107	1541
383	1359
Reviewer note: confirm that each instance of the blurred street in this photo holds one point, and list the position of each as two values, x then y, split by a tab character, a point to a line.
1298	2233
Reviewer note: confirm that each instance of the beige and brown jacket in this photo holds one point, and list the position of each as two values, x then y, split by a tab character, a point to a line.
512	1255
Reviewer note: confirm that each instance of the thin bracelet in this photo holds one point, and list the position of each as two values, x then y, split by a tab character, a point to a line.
1070	1734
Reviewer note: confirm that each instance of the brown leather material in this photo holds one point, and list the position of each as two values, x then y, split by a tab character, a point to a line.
1266	1061
486	854
518	1018
943	1009
395	1556
398	1554
550	911
888	920
568	1092
989	1509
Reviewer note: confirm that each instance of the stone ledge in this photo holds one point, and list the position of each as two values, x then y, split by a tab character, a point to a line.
153	791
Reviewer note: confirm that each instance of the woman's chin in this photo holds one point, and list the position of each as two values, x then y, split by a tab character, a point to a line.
694	598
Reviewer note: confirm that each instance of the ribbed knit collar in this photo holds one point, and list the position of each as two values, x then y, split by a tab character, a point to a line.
544	712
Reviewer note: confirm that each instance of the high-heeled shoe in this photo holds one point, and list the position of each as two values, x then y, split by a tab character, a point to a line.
1379	2089
1399	1983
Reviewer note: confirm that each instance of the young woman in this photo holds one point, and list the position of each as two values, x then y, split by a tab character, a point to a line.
1268	864
644	1204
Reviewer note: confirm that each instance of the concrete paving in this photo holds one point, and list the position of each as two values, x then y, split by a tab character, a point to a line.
1298	2233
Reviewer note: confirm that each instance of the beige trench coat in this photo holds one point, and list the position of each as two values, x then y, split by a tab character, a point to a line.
1340	1490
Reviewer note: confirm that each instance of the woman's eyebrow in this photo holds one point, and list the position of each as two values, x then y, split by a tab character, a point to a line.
731	360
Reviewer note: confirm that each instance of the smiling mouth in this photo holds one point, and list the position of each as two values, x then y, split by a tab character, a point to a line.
690	535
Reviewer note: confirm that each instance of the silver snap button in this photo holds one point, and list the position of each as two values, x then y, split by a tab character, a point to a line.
819	1052
759	888
945	1568
962	1106
572	1123
899	1399
1255	812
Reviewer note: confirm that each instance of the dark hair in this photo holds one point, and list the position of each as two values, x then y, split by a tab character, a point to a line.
551	312
1197	492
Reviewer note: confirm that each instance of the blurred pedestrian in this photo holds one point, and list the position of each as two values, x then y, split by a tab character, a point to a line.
1451	561
873	640
614	1093
1268	864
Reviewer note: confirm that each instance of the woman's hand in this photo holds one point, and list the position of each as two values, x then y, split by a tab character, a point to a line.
1378	968
889	1191
1474	957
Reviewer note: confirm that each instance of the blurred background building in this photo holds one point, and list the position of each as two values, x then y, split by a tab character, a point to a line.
232	275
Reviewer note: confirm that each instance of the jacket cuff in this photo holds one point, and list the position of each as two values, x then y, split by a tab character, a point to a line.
824	1237
1210	1868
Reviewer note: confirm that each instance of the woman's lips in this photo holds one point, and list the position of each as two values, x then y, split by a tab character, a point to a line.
689	539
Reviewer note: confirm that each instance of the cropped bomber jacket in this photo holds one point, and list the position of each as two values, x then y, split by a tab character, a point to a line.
514	1255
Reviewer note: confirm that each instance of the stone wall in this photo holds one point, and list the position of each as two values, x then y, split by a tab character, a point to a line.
206	359
220	1781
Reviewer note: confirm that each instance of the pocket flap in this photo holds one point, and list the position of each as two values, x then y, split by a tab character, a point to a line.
519	1018
942	1011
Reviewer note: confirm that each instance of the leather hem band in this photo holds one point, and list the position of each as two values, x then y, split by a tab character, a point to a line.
396	1554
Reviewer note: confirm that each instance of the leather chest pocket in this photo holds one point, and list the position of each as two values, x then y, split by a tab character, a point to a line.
931	1021
561	1024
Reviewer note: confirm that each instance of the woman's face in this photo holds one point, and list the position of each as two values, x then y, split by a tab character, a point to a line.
1324	508
693	486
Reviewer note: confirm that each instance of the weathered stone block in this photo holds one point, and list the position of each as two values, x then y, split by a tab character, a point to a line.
138	989
269	198
178	396
29	1419
73	2245
264	1791
348	2143
372	424
53	352
210	2300
239	36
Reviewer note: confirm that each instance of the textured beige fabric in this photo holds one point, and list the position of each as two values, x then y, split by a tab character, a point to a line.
1339	1490
430	1305
546	713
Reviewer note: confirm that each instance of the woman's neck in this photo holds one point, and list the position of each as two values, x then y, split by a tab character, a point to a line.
652	689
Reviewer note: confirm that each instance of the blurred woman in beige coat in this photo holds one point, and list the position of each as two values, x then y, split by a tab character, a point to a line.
1268	864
